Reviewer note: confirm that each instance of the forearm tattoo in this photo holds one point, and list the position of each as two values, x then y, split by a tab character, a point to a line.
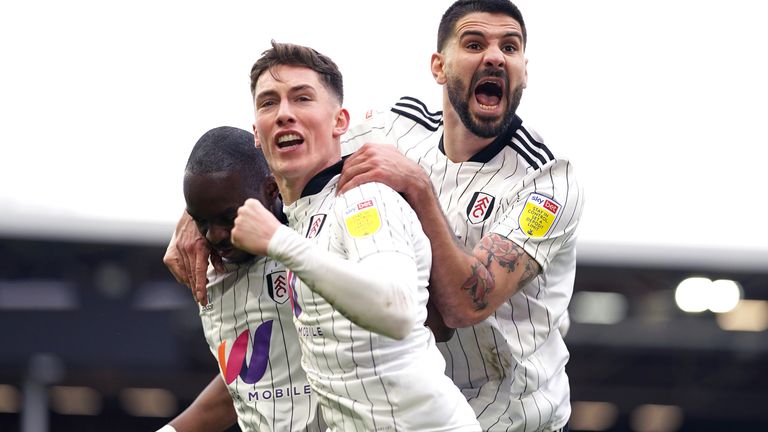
507	255
479	285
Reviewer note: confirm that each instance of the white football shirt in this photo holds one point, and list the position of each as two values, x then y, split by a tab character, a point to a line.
366	381
249	328
511	366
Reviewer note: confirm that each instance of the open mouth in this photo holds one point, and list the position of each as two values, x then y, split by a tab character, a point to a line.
289	140
488	94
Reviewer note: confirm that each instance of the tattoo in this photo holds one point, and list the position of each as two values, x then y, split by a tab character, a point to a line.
531	271
479	285
509	256
506	253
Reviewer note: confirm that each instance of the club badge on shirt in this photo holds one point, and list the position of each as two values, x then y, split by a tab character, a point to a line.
315	225
480	207
539	215
362	219
277	286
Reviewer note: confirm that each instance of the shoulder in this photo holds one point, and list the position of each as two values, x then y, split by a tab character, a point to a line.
366	191
529	145
406	109
418	112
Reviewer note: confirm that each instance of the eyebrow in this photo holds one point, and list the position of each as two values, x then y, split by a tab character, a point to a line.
514	34
294	89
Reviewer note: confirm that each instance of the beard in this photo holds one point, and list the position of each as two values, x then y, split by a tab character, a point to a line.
482	126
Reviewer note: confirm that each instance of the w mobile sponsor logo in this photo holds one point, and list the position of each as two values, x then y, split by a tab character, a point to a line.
236	365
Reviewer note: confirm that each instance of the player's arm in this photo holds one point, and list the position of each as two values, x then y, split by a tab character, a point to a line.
369	293
465	286
187	257
212	410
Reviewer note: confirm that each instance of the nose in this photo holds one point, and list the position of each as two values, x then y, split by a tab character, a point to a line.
216	234
285	114
494	57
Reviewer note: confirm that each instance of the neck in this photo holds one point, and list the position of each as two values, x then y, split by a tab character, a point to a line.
460	144
290	191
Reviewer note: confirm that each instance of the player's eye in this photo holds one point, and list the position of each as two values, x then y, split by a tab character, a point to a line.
474	46
511	48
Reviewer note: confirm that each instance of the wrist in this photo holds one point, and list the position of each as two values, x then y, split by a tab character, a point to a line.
278	242
420	195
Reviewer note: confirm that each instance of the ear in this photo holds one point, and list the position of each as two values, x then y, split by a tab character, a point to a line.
438	68
342	123
269	187
272	200
256	136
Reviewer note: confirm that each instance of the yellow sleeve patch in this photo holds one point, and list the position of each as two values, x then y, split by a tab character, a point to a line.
539	214
362	219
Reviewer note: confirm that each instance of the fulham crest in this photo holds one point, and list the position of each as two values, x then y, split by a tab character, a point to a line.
277	286
315	225
480	207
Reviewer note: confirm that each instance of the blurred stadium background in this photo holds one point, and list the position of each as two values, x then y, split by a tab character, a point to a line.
99	336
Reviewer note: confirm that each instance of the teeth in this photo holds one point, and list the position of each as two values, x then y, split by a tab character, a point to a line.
487	107
288	137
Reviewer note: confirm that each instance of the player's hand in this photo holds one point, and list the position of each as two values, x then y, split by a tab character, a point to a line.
254	227
187	258
435	322
383	164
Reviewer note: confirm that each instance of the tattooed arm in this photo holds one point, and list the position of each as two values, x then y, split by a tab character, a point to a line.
465	286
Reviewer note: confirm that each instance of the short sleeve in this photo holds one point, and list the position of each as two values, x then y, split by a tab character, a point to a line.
545	212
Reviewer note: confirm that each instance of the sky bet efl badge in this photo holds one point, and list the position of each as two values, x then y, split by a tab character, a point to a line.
539	214
362	219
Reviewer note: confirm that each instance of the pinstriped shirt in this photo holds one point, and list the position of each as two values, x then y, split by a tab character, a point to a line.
249	328
366	381
511	366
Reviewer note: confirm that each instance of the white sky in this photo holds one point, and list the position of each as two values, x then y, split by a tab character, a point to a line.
661	104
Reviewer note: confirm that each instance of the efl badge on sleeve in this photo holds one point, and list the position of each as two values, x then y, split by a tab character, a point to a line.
277	286
539	215
480	207
315	225
362	219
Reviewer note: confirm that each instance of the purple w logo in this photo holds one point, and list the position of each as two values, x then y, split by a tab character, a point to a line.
236	364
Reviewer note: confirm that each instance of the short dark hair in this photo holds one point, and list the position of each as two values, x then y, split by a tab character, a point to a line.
229	149
298	55
462	8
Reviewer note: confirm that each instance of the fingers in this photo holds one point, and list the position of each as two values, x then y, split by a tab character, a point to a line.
200	270
172	261
254	227
218	263
355	181
350	177
359	168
